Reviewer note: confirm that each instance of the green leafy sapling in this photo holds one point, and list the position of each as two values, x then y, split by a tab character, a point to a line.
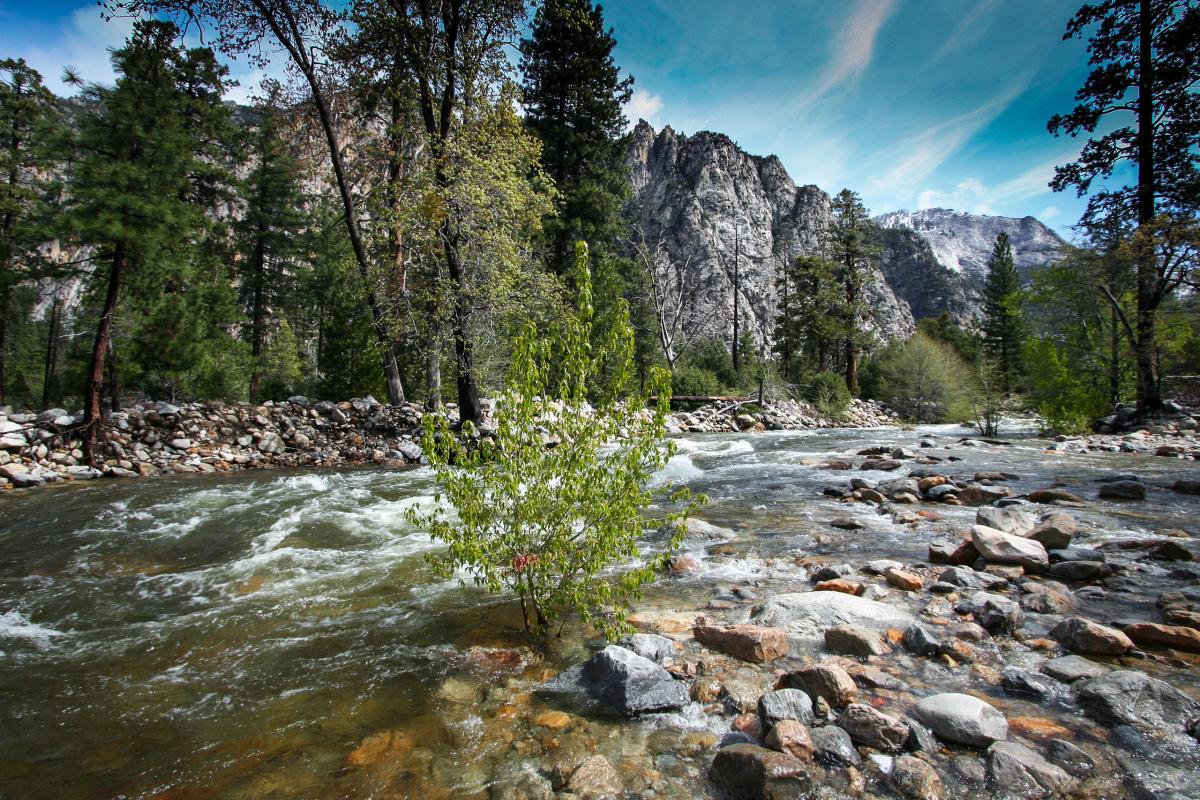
553	505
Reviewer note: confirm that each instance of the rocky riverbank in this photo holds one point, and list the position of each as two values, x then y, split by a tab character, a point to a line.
157	438
1029	655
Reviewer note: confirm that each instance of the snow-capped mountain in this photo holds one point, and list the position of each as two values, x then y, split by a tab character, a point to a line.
962	242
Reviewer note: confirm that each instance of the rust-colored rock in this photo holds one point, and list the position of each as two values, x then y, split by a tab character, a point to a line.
903	579
1151	634
791	737
827	682
840	585
754	643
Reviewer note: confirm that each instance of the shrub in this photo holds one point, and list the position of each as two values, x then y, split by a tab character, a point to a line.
693	380
922	379
550	522
828	393
1066	402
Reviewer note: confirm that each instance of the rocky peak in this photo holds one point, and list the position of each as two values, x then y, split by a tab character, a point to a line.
703	203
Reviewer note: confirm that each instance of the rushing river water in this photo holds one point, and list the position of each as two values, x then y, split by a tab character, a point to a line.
243	635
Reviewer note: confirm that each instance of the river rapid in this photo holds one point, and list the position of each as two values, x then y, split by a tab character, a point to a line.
279	634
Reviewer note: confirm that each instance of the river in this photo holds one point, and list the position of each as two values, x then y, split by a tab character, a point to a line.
243	635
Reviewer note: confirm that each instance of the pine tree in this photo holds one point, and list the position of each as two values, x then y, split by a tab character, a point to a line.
141	184
851	245
1003	328
573	97
268	235
805	325
27	113
1143	54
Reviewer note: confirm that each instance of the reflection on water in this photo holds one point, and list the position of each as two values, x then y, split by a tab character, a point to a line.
280	634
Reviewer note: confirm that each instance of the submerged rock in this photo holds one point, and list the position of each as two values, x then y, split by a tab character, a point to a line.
1129	697
914	779
833	747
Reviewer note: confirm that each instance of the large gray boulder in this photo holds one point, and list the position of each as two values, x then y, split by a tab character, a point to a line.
1006	519
962	719
631	684
807	615
1129	697
1003	548
1018	772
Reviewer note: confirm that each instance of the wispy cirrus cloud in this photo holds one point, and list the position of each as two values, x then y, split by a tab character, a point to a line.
931	148
853	49
974	195
969	29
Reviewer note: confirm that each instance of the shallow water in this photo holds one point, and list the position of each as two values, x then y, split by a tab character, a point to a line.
242	635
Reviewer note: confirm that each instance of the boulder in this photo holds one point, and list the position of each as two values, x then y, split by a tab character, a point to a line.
919	641
914	779
1051	597
1053	496
1129	697
1082	635
702	529
1080	571
1054	532
271	443
962	719
784	704
854	640
1019	772
791	737
903	579
1002	548
750	772
1008	520
872	728
631	684
970	579
827	682
1070	758
1022	682
978	495
754	643
833	747
1150	634
1069	669
649	645
998	615
1123	490
807	615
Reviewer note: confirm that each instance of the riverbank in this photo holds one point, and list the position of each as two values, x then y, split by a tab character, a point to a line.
280	634
159	438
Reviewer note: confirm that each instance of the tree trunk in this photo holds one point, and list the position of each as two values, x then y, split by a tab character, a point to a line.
259	314
433	373
391	369
48	378
92	417
3	352
851	367
114	383
1114	359
1148	397
293	41
464	351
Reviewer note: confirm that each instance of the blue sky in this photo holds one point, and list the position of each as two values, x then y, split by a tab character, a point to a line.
912	103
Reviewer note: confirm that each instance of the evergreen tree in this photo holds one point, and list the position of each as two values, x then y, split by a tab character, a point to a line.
1143	54
1003	328
268	235
805	326
573	97
851	245
27	113
135	196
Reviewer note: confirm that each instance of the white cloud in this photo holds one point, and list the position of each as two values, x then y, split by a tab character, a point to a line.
932	147
853	49
1049	213
643	105
970	28
85	43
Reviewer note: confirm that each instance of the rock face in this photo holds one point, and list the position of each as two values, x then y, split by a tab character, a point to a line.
960	246
689	193
962	719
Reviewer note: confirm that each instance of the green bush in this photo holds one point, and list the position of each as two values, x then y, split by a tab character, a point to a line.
690	379
828	393
922	379
1057	392
551	523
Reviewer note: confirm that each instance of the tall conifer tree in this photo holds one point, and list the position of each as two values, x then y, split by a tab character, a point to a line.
1003	329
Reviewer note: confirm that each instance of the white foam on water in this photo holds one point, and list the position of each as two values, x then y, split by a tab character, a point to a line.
15	625
679	469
